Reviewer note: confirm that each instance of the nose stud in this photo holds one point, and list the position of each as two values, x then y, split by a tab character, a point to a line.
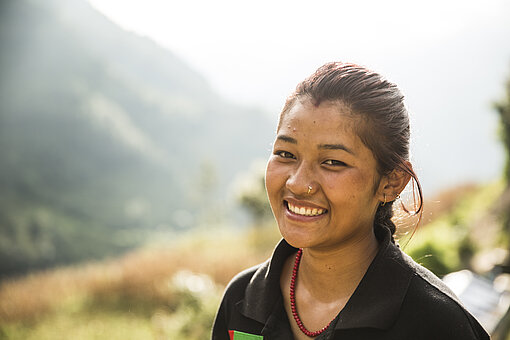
309	190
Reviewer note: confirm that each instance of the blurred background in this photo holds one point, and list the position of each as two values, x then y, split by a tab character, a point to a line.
133	137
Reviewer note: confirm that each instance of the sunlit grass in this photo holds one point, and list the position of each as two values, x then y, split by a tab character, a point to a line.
81	325
171	290
158	292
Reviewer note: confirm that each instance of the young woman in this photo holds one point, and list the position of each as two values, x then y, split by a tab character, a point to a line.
339	161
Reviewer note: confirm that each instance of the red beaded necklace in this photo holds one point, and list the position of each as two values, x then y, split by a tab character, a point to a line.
293	299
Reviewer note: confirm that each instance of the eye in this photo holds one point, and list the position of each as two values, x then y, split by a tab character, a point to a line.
333	162
284	154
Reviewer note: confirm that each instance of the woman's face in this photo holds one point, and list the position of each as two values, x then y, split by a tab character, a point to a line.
318	147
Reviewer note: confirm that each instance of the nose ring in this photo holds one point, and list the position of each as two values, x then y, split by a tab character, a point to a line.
309	190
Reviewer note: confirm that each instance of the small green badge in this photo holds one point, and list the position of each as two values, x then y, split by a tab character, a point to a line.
236	335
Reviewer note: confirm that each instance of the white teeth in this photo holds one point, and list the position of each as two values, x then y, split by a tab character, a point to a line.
305	211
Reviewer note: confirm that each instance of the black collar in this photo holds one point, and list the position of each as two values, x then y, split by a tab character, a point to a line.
375	303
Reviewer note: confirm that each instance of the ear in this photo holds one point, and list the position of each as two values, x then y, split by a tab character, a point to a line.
392	184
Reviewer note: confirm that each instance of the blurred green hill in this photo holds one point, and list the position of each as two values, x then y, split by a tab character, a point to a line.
104	136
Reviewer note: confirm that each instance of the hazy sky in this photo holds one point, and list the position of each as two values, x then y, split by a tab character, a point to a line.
449	57
258	50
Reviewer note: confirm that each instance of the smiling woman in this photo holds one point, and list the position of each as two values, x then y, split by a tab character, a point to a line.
339	161
319	162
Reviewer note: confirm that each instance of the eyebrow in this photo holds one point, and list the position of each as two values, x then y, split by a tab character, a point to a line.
287	139
291	140
336	147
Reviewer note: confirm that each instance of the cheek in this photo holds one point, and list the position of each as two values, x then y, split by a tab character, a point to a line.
275	178
348	187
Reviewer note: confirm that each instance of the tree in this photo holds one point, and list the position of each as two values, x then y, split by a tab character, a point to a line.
503	109
251	195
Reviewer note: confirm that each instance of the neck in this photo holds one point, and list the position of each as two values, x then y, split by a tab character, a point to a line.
331	273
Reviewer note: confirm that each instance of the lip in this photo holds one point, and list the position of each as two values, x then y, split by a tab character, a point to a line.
302	218
301	203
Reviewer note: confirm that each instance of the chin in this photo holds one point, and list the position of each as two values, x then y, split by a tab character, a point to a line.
295	238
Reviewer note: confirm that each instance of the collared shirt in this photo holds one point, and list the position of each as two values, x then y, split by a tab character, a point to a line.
396	299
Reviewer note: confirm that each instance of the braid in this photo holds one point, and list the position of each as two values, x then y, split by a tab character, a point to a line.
383	220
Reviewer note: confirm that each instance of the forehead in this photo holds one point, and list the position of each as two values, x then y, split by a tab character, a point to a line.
329	121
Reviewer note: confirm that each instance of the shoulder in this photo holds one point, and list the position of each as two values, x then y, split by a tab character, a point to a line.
251	296
236	288
230	314
234	293
435	309
260	283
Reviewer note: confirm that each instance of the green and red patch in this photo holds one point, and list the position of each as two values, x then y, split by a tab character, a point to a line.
236	335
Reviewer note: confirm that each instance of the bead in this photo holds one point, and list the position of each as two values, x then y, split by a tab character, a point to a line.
293	300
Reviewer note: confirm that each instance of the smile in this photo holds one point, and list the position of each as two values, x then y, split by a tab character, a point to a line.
305	211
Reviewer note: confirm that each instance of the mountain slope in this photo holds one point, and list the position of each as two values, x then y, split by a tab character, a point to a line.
102	132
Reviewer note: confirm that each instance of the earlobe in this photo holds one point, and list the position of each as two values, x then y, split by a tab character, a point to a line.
385	201
393	184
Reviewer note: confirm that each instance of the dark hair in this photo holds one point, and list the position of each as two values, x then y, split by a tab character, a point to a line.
385	129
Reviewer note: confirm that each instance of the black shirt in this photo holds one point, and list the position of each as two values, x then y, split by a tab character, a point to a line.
396	299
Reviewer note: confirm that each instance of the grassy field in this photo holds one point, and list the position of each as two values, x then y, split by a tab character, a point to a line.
172	291
153	293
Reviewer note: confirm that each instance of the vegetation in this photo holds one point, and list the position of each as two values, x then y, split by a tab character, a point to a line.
154	293
172	291
503	109
503	208
450	241
100	150
101	132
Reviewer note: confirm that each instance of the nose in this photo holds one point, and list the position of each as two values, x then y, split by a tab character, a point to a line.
302	181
